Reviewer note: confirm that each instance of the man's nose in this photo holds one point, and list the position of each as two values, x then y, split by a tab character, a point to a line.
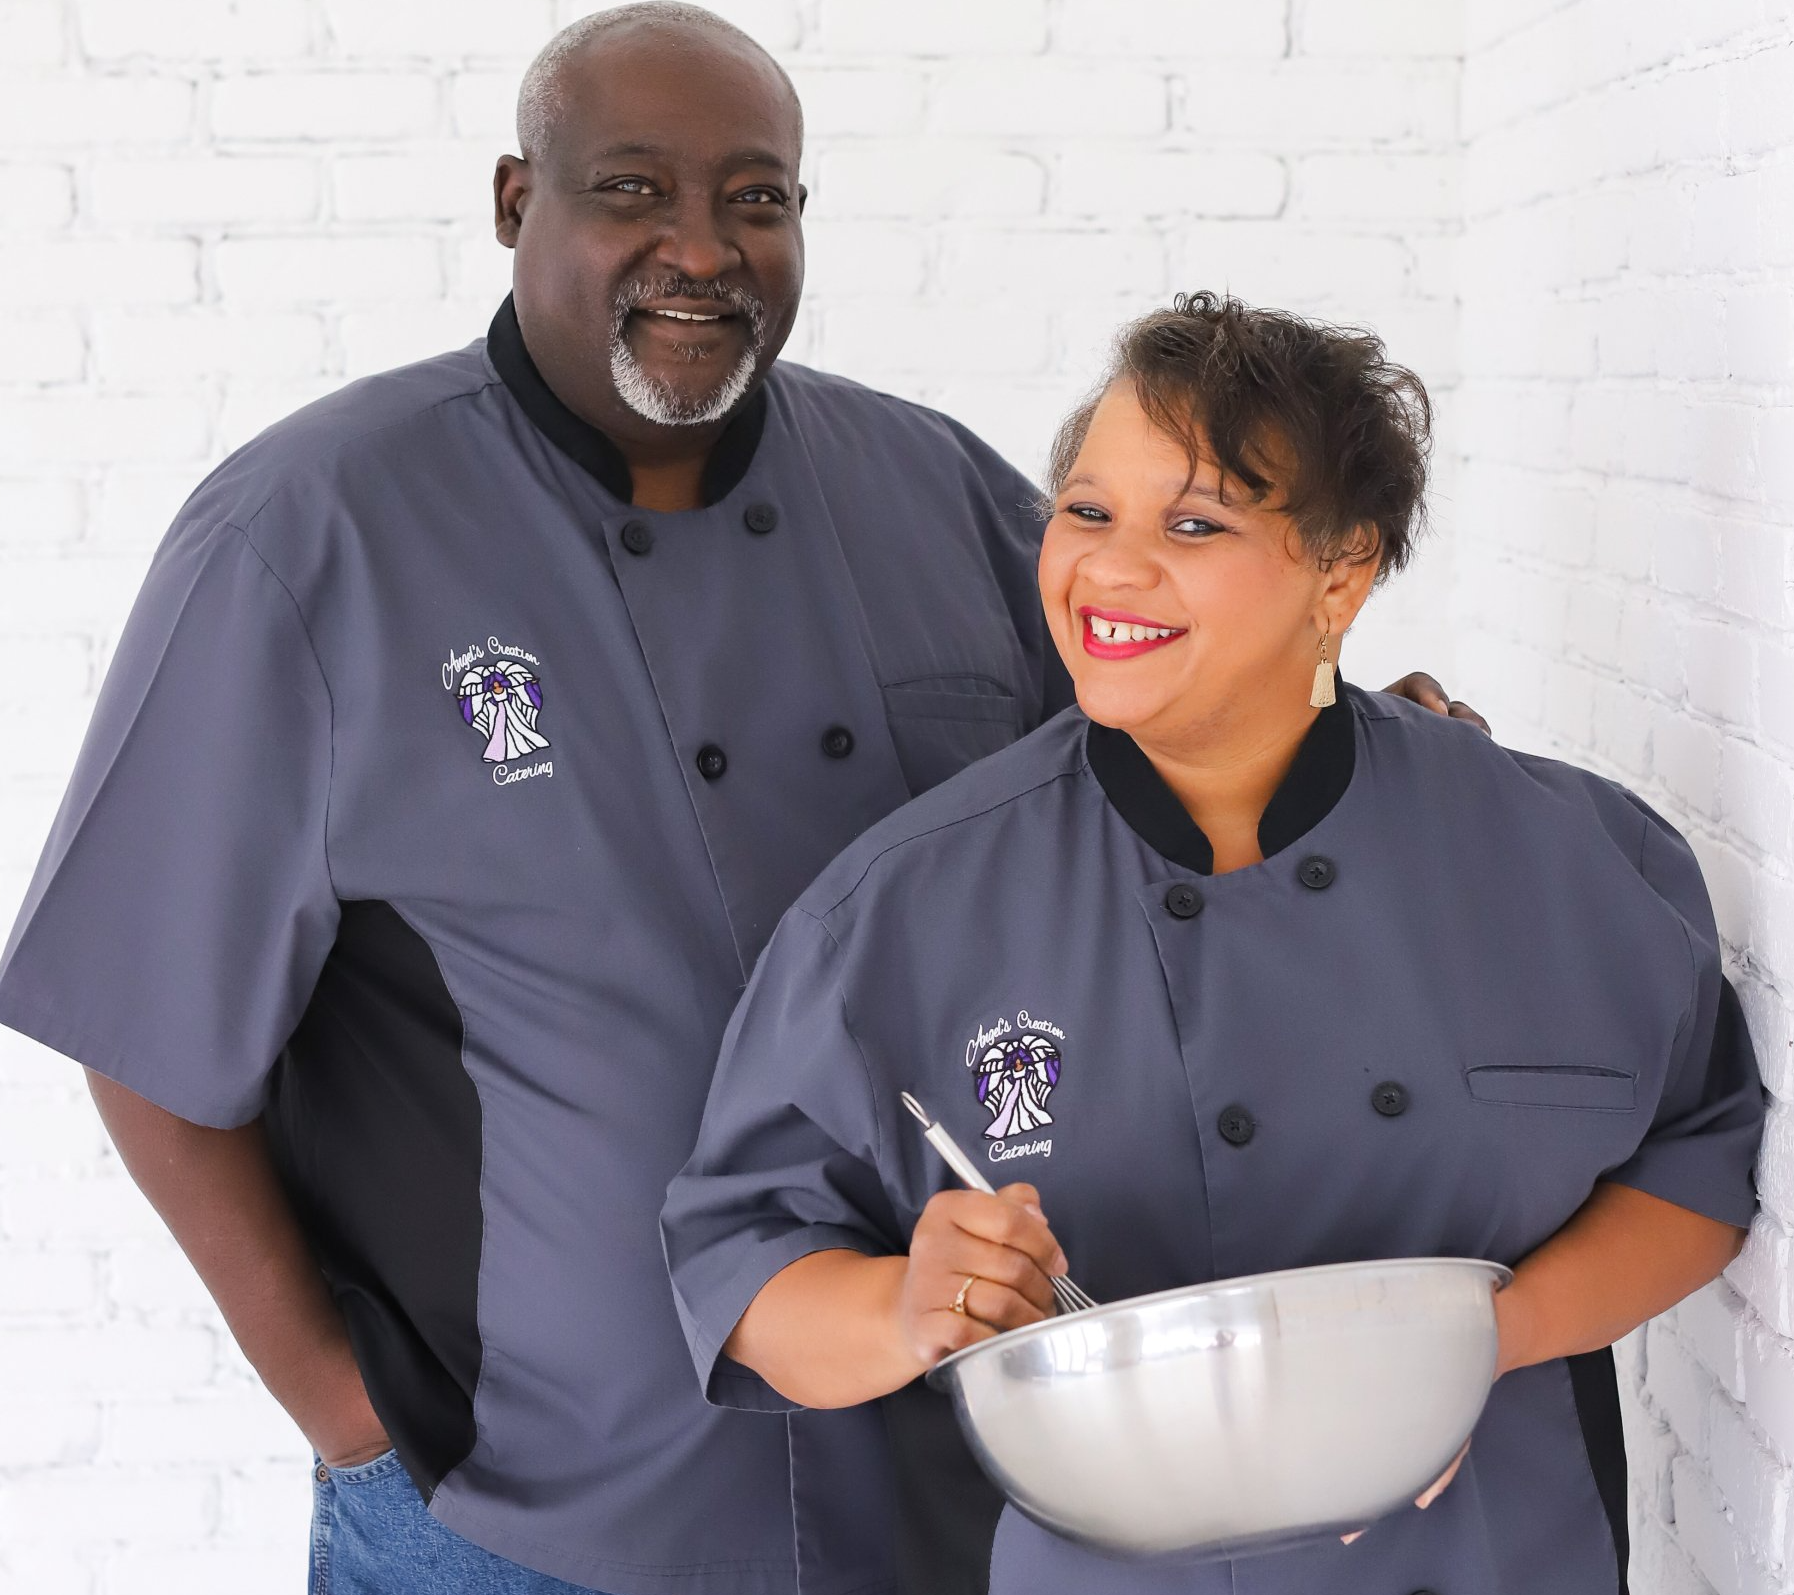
696	245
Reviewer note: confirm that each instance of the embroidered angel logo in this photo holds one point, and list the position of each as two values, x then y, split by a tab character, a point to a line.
501	701
1016	1075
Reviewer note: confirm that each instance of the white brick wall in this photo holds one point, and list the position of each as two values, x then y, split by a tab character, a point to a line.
1625	505
217	210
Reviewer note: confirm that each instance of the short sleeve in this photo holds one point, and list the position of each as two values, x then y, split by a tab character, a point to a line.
182	907
786	1159
1702	1143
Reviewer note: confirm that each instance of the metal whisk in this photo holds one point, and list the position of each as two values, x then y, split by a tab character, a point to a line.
1071	1297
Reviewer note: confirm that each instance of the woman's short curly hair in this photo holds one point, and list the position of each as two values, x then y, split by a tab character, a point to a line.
1316	413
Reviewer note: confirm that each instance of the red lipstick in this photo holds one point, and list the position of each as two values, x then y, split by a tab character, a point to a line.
1115	647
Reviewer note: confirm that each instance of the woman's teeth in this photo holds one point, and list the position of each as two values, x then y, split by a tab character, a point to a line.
1126	631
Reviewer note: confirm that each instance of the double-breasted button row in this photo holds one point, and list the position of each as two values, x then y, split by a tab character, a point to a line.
1237	1125
712	762
638	536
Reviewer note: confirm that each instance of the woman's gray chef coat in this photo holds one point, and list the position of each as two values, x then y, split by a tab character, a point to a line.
436	807
1464	986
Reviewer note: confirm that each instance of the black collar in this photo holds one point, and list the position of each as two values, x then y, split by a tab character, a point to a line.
1316	781
586	446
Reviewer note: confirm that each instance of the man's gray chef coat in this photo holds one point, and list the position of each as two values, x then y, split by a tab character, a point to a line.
437	806
1463	986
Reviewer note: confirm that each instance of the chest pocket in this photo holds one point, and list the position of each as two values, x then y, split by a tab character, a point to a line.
940	724
1554	1086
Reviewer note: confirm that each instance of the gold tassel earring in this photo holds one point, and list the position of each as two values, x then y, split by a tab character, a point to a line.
1323	696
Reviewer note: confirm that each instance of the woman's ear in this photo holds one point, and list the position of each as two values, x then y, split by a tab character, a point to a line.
1350	577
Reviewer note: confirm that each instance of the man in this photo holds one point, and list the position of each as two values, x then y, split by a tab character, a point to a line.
472	731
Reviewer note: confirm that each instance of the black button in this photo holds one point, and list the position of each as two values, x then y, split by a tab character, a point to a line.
1237	1125
1184	901
1390	1099
837	742
712	761
638	536
760	517
1316	873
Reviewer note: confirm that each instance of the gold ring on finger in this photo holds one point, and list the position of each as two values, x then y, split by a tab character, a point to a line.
959	1301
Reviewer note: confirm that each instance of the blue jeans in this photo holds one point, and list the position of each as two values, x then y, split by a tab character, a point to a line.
371	1534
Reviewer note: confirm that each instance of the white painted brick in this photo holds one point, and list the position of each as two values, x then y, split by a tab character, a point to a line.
1679	1386
36	196
1769	1383
99	271
1371	103
1721	664
1752	1481
378	340
203	190
854	102
152	1281
1048	96
1685	756
1148	29
935	179
212	1568
848	260
54	112
134	506
1220	183
154	348
1041	266
114	1360
243	1423
208	29
1376	186
958	335
1757	800
46	347
311	105
451	182
48	1286
934	27
1379	28
483	104
328	271
1711	1323
437	28
40	510
1759	334
49	1432
162	1507
34	33
56	428
776	24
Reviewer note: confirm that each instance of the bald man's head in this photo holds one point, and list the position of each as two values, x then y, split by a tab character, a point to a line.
656	217
542	97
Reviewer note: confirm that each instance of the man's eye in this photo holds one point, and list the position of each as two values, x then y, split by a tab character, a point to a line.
628	185
761	196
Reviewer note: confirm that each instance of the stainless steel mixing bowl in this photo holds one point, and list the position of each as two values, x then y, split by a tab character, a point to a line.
1240	1416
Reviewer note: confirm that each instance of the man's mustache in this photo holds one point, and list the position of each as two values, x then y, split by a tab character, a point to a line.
634	294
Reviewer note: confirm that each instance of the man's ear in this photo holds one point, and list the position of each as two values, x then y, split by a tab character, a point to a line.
803	198
511	180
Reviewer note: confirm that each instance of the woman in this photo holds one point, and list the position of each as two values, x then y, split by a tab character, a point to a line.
1238	973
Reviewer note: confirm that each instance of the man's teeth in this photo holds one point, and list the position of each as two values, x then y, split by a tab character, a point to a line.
1126	631
683	315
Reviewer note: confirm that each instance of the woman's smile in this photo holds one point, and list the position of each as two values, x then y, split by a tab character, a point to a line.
1115	634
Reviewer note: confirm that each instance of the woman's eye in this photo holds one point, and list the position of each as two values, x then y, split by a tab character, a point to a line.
1196	526
1090	514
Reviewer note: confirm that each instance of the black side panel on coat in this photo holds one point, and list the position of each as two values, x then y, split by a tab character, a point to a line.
375	1127
1597	1391
947	1509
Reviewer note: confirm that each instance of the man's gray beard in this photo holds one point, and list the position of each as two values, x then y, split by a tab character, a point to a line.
657	402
